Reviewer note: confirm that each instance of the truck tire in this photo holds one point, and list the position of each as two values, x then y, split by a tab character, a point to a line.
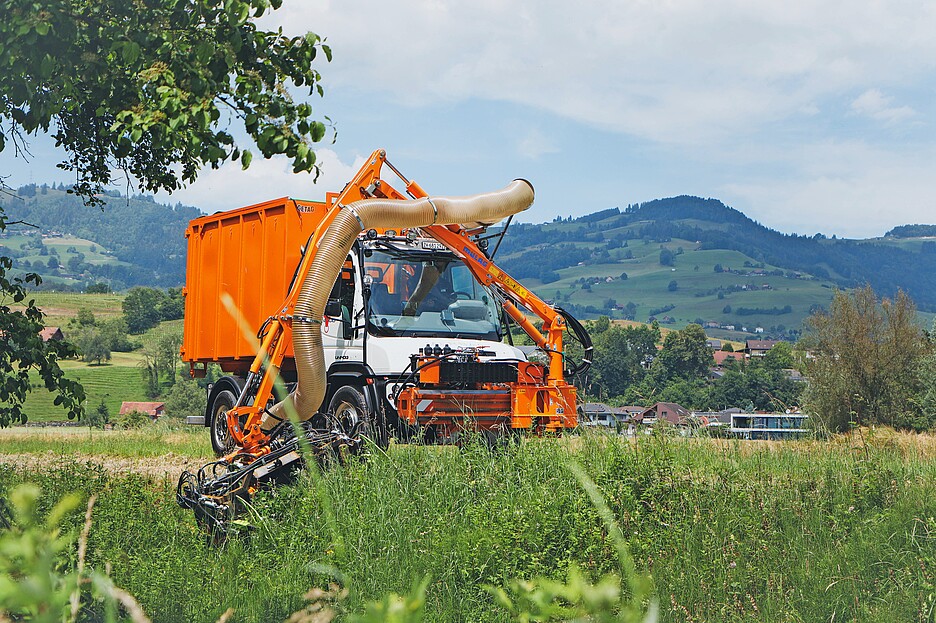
221	440
349	407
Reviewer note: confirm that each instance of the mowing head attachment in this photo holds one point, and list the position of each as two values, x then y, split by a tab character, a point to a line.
219	492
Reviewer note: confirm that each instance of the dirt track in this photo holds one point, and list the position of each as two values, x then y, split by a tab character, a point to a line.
168	466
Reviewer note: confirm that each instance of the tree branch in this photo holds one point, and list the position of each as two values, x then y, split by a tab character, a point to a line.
22	223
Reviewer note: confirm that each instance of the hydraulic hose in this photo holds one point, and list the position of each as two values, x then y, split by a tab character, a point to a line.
336	242
581	334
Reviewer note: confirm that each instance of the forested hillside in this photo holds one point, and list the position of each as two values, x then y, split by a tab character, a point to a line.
539	251
143	242
680	260
912	231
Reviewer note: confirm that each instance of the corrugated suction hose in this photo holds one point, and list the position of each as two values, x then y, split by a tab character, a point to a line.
351	220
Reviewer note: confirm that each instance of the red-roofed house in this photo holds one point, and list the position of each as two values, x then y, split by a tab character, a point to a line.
665	411
721	356
51	333
152	409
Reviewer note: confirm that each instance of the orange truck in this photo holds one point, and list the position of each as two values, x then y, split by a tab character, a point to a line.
411	339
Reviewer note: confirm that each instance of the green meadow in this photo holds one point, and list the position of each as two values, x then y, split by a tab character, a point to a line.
839	530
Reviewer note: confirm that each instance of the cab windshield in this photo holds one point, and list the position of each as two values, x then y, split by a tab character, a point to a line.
420	293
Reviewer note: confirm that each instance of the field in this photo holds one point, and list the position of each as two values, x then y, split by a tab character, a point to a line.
115	381
838	530
158	440
65	248
112	382
700	292
697	287
59	307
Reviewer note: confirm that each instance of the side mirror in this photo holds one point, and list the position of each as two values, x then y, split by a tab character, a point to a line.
347	332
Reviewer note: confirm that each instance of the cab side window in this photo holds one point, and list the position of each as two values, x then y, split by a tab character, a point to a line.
341	298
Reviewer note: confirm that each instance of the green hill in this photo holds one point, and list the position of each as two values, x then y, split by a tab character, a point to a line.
129	241
117	381
743	295
686	259
728	270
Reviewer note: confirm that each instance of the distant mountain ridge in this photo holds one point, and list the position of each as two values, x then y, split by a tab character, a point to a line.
913	231
847	263
148	238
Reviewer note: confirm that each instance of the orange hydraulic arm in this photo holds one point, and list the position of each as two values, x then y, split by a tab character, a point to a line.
458	240
562	395
266	365
487	273
367	184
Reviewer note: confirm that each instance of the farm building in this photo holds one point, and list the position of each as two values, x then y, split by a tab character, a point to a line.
51	333
153	409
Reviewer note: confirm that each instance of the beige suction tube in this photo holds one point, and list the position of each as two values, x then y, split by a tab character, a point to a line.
351	220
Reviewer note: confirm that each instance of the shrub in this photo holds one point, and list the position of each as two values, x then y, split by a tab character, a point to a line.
41	578
185	398
133	419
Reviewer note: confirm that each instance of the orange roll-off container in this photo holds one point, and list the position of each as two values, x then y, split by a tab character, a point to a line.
251	254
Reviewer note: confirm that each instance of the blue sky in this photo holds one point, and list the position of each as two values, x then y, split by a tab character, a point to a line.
807	116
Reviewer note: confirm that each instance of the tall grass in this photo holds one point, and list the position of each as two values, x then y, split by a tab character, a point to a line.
800	531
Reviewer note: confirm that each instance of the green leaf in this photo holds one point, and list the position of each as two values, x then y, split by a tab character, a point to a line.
46	66
318	131
130	52
203	51
246	157
123	77
243	13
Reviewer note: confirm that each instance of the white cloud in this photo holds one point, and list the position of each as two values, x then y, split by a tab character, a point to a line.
751	93
229	186
534	144
848	188
689	71
873	103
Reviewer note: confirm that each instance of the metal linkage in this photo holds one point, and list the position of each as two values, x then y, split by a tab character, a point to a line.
219	491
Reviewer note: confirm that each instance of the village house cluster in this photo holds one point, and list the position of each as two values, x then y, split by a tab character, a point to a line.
733	422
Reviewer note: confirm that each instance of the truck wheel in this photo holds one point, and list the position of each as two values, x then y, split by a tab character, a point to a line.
221	440
350	409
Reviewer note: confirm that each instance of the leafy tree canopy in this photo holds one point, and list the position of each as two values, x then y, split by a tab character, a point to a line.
866	363
623	356
685	354
144	308
186	398
148	88
144	86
